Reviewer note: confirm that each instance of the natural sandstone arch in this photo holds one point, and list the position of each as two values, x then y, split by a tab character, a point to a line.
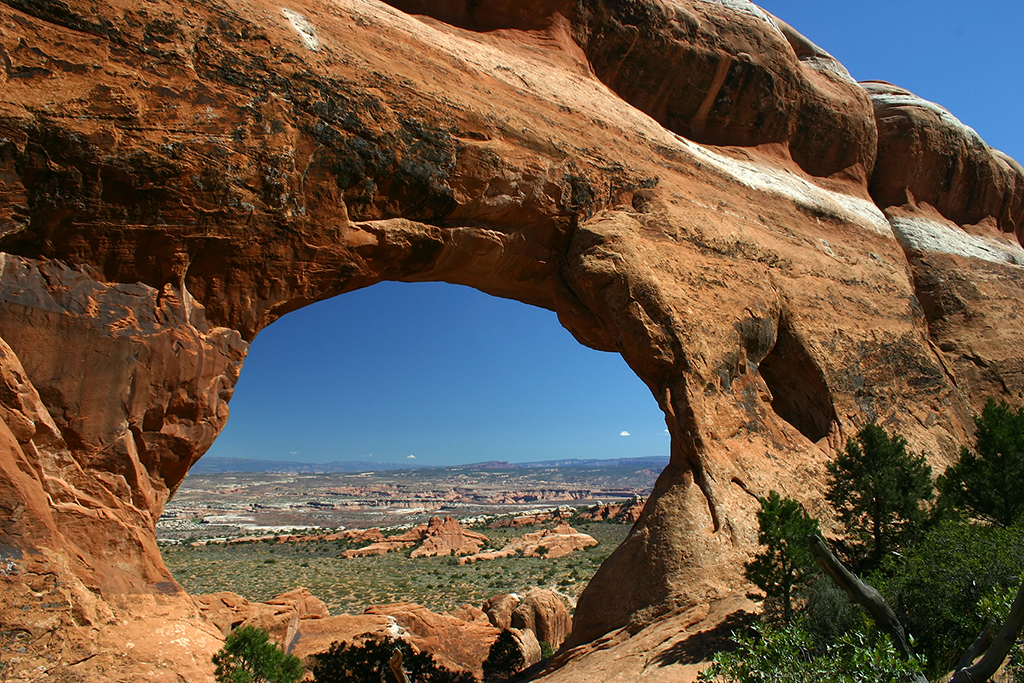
174	178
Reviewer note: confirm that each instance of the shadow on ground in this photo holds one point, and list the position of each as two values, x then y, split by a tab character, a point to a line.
700	646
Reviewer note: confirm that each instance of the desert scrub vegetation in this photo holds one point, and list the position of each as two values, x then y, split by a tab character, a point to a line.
351	585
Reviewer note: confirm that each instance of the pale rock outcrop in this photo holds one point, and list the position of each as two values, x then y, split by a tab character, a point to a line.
528	645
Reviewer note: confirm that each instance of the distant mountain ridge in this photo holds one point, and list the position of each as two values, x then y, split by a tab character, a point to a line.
226	465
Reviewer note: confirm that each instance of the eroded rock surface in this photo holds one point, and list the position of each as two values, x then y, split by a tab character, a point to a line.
779	253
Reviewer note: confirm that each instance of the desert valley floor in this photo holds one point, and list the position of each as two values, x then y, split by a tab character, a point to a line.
259	534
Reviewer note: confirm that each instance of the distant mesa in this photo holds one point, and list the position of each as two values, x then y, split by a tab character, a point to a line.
214	465
251	465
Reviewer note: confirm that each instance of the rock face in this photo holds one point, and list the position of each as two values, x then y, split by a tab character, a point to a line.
779	253
456	644
302	625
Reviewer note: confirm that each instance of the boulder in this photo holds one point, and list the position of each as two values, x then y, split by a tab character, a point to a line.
544	613
499	609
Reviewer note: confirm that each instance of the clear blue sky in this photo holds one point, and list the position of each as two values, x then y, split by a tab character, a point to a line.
450	375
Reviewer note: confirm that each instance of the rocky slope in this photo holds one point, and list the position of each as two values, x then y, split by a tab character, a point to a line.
779	253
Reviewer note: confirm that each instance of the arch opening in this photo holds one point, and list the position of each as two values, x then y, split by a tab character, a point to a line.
389	405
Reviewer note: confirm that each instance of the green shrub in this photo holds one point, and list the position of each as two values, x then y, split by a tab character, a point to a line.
937	585
988	483
504	659
828	614
787	655
248	656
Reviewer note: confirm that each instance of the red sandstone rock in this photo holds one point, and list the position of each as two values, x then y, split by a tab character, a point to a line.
499	609
437	537
454	643
557	542
448	538
229	611
624	513
471	614
170	187
544	613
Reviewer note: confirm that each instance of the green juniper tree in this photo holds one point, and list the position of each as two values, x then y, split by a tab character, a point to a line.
248	656
785	564
504	659
878	490
989	483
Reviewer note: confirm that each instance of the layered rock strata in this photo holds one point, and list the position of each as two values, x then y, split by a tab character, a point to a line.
779	253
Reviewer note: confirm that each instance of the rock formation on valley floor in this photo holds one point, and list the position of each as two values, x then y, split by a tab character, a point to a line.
459	641
779	253
436	537
560	541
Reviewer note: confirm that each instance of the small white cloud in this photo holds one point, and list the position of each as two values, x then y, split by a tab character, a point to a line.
410	457
623	433
293	452
666	431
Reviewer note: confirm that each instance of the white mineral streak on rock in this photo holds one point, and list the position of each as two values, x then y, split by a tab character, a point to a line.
777	181
743	7
925	234
302	26
575	89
